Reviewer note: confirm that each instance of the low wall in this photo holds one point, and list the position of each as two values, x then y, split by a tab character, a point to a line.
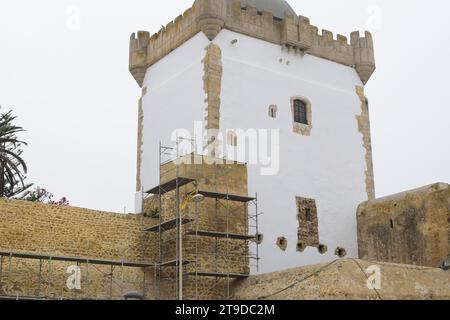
27	227
410	228
347	279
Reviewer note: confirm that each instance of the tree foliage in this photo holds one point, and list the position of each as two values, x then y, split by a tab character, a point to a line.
13	168
43	196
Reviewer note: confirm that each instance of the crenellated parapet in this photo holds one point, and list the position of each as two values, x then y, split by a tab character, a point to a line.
145	50
296	33
292	33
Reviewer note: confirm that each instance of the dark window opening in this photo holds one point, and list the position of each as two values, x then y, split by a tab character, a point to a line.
300	112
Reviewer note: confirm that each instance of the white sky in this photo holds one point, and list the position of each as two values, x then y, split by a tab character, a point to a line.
74	95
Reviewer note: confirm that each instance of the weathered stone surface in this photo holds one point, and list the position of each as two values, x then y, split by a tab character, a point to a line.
346	279
28	227
140	141
308	230
364	129
421	235
212	84
411	227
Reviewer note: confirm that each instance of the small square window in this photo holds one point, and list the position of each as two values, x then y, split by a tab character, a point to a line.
273	111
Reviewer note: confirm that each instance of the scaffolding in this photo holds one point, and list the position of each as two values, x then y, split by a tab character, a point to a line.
176	225
179	215
46	280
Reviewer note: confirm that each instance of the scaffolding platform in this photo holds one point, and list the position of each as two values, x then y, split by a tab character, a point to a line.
24	298
168	225
34	256
225	196
232	206
174	263
220	275
225	235
170	185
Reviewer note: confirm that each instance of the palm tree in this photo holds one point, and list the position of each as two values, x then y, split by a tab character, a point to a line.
12	167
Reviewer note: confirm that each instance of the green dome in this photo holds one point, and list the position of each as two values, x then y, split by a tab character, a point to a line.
277	7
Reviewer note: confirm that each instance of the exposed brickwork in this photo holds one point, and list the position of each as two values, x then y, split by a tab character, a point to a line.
212	84
308	230
411	227
364	129
140	140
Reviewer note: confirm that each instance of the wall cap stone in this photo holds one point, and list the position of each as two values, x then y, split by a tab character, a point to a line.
439	186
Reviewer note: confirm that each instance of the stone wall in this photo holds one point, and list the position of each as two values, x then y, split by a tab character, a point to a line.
364	129
51	230
60	231
347	279
411	228
212	85
67	231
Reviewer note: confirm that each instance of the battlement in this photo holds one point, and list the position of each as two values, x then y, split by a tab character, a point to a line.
145	50
292	33
363	54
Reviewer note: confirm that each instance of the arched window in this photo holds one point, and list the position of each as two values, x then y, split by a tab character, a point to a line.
301	115
300	112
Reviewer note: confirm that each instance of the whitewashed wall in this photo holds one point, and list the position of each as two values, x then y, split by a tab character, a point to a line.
174	99
328	166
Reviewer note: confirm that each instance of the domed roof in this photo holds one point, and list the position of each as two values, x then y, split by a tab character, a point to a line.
277	7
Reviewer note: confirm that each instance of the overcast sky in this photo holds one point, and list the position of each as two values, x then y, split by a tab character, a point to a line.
67	79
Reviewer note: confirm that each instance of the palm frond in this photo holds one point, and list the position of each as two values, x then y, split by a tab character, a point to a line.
13	168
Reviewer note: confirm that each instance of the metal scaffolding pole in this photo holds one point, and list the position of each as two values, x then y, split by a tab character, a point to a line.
1	270
51	290
167	239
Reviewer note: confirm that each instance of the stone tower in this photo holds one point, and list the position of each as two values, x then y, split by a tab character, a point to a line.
255	68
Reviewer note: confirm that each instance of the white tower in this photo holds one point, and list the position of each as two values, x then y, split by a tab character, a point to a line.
254	68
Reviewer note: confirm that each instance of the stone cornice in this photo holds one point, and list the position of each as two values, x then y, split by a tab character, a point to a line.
292	33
